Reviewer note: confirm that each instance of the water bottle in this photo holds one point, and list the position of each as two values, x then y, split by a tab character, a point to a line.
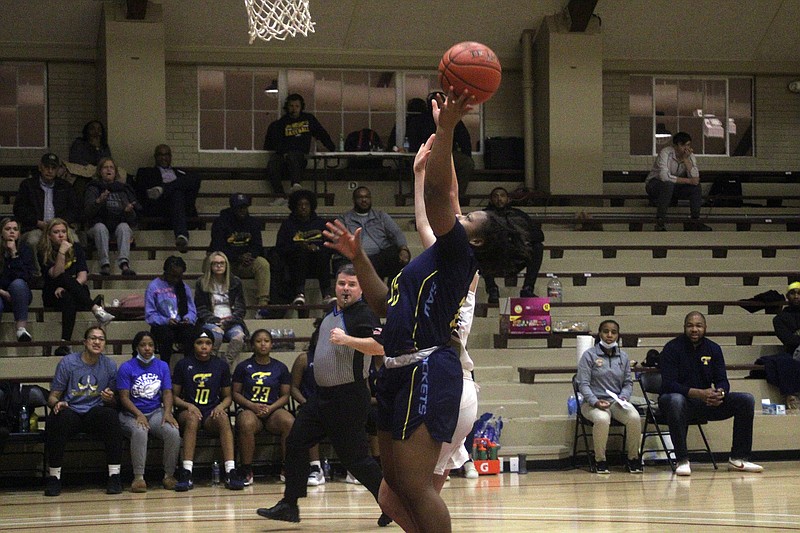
406	144
572	405
276	339
341	142
326	469
24	420
215	473
288	333
554	290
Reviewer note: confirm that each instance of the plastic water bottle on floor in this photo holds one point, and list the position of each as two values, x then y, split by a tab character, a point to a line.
24	420
215	473
554	289
326	469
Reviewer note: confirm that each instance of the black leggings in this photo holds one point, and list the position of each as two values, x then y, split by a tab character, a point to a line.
100	420
75	298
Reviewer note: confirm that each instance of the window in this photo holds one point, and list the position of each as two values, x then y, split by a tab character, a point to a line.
23	106
235	108
716	112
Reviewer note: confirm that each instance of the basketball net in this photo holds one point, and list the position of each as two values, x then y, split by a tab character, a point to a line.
278	19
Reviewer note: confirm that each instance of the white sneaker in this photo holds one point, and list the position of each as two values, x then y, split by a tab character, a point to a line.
103	316
469	470
351	479
154	193
300	299
315	477
295	187
23	335
741	465
277	202
683	469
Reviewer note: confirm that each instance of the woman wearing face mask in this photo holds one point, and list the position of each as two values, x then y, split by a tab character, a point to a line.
604	367
145	392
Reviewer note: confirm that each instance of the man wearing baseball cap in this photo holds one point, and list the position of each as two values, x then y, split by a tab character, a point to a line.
43	197
238	235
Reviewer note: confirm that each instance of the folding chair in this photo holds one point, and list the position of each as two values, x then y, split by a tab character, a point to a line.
583	433
651	389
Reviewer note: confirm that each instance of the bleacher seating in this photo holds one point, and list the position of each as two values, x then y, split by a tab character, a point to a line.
646	280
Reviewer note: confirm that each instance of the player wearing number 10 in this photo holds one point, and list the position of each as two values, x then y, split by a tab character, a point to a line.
202	389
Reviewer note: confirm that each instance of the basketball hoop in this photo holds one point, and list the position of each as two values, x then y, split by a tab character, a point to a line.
278	19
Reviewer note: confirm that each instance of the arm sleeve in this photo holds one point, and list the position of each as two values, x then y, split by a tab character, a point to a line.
191	314
720	374
669	364
238	306
627	380
90	205
151	313
319	133
783	330
662	163
60	378
695	172
393	230
203	305
584	378
123	378
256	241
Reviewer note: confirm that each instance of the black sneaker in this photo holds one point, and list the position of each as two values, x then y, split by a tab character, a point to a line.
184	478
494	295
234	480
114	485
527	292
634	466
52	486
384	520
281	511
696	225
602	467
61	351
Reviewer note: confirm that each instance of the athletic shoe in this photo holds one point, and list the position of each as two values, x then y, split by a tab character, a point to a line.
315	477
601	467
184	480
247	477
127	270
114	485
384	520
103	316
634	466
494	295
182	243
329	299
351	479
741	465
234	480
52	486
277	202
527	292
154	193
469	470
105	270
295	187
263	313
139	486
696	225
169	482
63	350
684	468
300	299
281	511
23	335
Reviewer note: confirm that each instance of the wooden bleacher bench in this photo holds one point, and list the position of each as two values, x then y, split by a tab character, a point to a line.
527	374
634	279
556	339
660	251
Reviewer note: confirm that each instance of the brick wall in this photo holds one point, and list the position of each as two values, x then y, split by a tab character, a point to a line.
777	128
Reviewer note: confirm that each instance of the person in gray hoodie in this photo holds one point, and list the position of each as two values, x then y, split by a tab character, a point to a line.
601	368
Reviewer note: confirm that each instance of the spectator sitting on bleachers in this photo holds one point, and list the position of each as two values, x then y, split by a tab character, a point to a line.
163	189
675	175
91	146
300	245
219	298
145	394
290	139
605	367
42	198
16	270
169	309
65	277
238	235
261	387
82	399
694	384
110	207
498	204
787	329
202	393
381	238
420	125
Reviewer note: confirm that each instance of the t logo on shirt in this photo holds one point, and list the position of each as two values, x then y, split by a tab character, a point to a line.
705	359
259	377
201	379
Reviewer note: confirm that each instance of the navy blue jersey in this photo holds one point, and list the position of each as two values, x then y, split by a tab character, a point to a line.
262	383
425	297
202	381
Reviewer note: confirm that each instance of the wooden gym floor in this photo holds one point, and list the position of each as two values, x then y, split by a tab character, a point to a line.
573	500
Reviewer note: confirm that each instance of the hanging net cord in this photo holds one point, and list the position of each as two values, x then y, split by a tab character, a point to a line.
278	19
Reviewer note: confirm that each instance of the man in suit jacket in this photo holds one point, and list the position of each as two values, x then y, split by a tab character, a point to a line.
164	189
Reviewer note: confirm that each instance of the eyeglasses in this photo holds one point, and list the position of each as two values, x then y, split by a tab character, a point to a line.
96	338
217	263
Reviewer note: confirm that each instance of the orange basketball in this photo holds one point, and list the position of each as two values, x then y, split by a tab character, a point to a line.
473	66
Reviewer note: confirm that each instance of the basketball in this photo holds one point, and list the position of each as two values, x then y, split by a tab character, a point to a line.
473	66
